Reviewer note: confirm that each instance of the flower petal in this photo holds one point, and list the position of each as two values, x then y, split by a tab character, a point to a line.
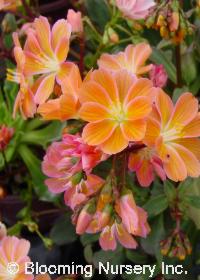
191	162
192	129
98	132
106	80
192	144
108	61
152	132
115	143
142	87
61	29
138	108
124	237
43	32
164	106
45	89
107	239
185	110
91	112
93	92
134	130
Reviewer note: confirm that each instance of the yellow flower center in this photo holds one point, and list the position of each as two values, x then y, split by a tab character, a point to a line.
118	113
170	134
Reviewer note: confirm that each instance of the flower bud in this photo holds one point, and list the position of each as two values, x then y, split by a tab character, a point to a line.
6	135
85	217
158	76
75	19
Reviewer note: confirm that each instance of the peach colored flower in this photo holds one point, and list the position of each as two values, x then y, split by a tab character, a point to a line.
158	76
113	233
133	217
13	249
66	158
146	164
133	59
6	135
116	107
75	19
173	131
79	193
135	9
45	53
66	106
25	97
9	5
84	218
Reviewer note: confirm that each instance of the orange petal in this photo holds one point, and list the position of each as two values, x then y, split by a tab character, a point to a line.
191	162
185	110
108	61
43	32
138	108
192	144
134	130
61	29
142	87
45	89
32	45
62	50
164	106
106	80
115	143
137	56
145	174
144	69
192	129
93	92
34	65
125	238
124	80
98	132
173	164
152	132
50	110
91	112
65	70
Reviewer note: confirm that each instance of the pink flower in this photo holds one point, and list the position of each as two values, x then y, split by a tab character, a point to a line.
84	218
66	158
113	233
6	135
75	19
158	76
146	164
135	9
143	228
75	195
128	211
13	249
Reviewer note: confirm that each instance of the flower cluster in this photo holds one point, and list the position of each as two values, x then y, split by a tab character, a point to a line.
122	113
6	135
169	18
13	251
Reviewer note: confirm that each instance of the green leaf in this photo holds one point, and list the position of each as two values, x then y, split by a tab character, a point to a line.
159	57
43	136
194	201
113	257
156	205
63	232
34	166
189	69
151	244
98	11
136	257
88	253
89	238
170	191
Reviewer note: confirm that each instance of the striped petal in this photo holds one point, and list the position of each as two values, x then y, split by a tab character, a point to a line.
164	106
192	144
191	162
61	29
108	61
142	87
93	92
152	132
134	130
115	143
45	89
185	110
124	238
98	132
91	111
138	108
192	129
